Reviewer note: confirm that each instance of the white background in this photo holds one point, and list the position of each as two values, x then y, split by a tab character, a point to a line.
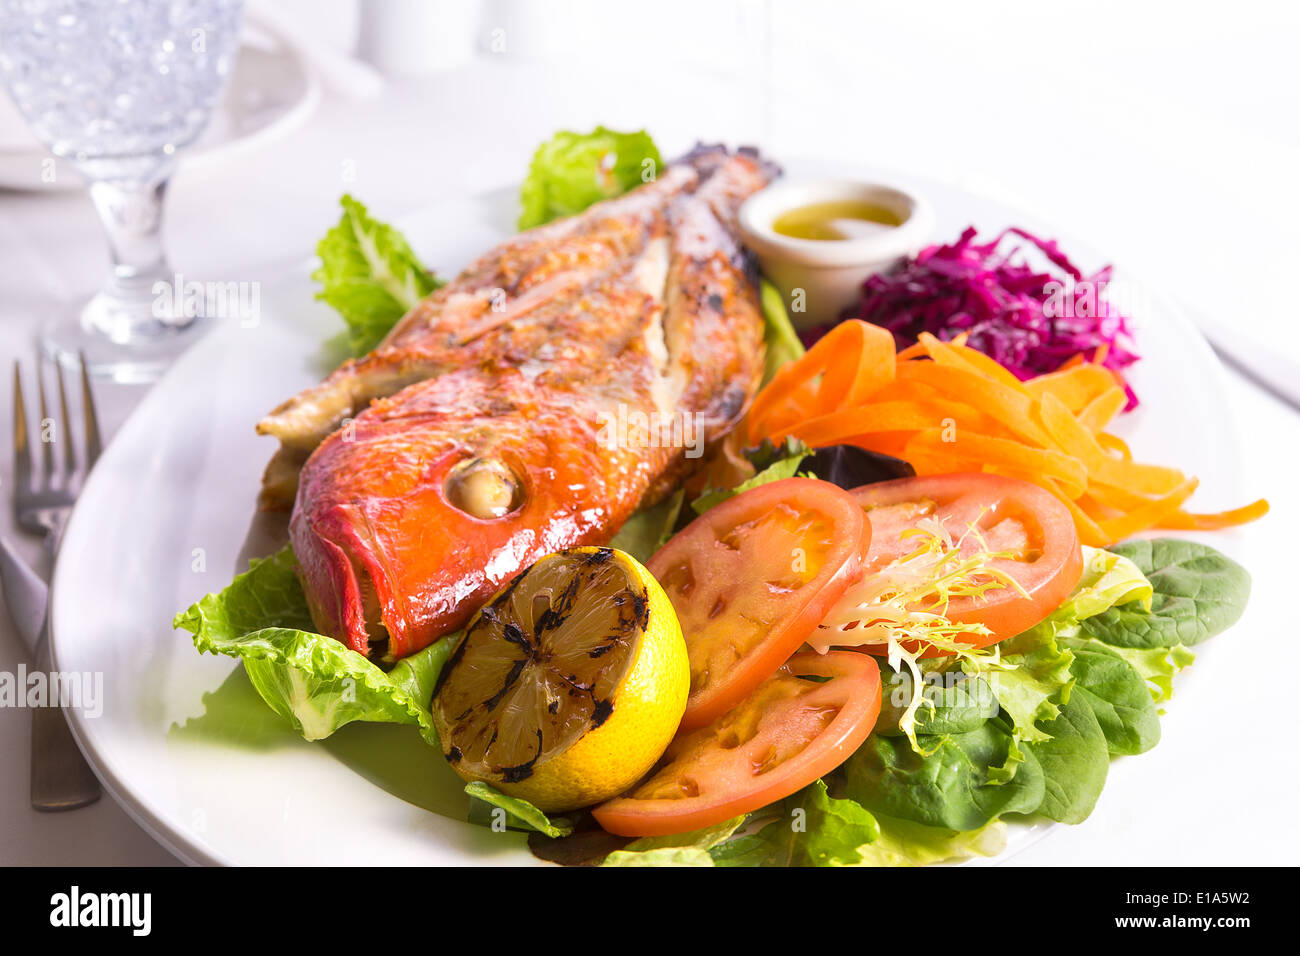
1165	134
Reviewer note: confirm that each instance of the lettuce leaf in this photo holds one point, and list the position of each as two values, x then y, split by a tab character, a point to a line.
783	463
904	843
779	336
369	275
1113	601
661	856
682	849
1035	674
570	171
315	682
1031	686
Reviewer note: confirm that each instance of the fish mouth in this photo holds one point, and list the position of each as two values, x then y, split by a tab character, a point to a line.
372	614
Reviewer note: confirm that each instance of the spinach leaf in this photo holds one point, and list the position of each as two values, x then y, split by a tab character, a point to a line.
1073	762
952	786
945	708
813	829
520	814
646	531
1157	666
1118	696
1198	593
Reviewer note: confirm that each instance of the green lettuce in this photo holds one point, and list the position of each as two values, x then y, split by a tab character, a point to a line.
951	785
315	682
945	708
1074	759
1036	670
811	828
904	843
369	275
570	171
775	464
1197	592
780	338
1119	697
682	849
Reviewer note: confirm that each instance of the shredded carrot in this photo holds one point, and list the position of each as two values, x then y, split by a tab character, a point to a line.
1114	446
1183	521
946	407
1099	412
1076	386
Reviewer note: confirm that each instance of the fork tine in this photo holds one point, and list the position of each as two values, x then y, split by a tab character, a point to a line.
47	448
93	444
22	441
69	455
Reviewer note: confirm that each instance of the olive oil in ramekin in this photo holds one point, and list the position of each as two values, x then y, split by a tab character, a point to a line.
837	219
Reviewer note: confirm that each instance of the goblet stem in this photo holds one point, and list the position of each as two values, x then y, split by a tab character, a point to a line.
132	304
137	323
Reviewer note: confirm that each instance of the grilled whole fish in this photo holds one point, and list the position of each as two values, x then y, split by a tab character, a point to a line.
564	379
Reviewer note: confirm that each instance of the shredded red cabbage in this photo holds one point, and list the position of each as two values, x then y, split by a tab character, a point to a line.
1030	321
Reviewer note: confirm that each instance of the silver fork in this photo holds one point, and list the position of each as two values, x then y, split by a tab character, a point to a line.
61	779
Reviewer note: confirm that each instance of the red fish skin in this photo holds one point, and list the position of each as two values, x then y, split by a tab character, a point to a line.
389	564
432	564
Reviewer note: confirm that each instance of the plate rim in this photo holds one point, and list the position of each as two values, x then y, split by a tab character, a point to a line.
193	850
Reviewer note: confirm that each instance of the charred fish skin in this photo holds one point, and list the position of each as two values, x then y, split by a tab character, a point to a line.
669	329
500	306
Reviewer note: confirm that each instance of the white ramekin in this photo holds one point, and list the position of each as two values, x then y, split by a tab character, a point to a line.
830	272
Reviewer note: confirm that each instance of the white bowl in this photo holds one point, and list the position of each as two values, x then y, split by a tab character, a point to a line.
826	275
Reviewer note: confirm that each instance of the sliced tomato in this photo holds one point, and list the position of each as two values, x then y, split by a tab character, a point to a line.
1011	516
752	577
787	734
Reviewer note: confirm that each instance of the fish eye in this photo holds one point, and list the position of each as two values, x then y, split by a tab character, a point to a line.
484	488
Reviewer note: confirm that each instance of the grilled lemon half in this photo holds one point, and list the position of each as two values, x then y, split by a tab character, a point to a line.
568	685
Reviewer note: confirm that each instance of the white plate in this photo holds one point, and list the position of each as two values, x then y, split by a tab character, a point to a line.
271	92
183	741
